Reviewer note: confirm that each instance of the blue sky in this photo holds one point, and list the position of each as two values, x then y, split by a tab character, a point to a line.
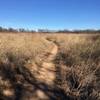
51	14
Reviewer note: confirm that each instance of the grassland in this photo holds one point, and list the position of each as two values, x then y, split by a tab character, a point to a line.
78	66
26	65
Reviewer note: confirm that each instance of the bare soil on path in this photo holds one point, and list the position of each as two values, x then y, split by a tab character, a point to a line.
48	70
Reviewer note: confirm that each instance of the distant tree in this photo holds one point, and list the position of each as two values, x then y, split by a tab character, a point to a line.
12	30
98	31
40	30
32	31
1	29
22	30
63	31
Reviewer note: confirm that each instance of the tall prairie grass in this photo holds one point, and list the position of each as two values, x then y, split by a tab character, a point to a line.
78	66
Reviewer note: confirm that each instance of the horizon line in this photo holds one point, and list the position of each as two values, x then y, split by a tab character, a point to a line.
51	29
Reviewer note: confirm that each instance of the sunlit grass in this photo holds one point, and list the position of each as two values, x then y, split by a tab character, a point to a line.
77	64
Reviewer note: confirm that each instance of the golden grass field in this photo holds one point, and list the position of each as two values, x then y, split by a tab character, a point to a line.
49	66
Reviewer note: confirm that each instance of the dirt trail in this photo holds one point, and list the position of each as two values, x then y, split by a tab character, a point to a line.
45	73
48	70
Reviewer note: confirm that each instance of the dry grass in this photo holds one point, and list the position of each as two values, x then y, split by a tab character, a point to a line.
23	46
17	52
77	66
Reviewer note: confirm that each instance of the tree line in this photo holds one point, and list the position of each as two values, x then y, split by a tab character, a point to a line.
15	30
22	30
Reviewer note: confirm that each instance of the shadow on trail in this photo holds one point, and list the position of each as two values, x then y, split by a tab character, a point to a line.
17	83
